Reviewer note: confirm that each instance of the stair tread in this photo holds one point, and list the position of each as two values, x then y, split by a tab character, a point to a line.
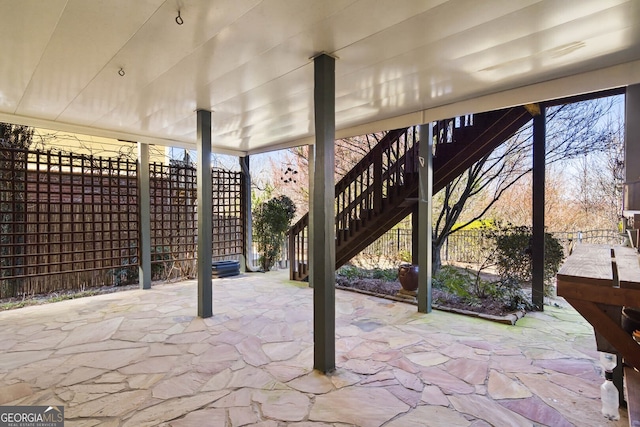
451	159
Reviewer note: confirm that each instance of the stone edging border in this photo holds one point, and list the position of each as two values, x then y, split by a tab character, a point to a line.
508	319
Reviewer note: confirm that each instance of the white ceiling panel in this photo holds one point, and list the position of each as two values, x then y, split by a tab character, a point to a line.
87	35
22	54
249	62
159	46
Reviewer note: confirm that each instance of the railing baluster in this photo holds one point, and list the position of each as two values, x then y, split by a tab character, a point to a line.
357	196
377	178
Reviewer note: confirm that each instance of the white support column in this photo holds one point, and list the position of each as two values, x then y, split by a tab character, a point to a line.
322	225
144	209
425	247
204	191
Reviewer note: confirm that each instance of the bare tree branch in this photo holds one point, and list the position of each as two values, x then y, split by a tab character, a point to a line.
573	130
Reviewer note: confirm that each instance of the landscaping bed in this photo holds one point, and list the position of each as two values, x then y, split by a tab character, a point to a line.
384	283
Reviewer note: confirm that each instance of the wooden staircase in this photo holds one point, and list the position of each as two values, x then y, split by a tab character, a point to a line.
382	188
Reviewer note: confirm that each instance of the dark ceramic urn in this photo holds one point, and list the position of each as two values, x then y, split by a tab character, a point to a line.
408	276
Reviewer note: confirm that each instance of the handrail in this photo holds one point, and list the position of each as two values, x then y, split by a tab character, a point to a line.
382	177
360	192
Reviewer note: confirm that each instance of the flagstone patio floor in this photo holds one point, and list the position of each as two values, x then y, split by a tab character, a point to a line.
143	358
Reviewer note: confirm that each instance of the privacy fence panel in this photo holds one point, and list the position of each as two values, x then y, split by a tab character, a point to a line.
70	221
174	218
67	221
226	215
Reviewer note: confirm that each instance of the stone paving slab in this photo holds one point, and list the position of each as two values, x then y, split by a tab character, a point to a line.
142	358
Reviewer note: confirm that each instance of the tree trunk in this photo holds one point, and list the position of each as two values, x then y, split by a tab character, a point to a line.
436	257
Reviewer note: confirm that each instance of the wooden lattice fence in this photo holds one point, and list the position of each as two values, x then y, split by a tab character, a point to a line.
70	221
174	218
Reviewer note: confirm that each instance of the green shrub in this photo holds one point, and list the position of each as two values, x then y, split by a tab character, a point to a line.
471	289
452	280
404	256
271	220
463	285
350	272
388	274
507	291
512	255
512	296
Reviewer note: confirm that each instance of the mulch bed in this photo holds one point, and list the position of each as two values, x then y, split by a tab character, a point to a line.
378	286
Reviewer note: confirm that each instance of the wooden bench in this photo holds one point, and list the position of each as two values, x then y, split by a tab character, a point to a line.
598	280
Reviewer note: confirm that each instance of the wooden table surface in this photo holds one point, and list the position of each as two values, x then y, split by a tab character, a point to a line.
594	276
592	264
596	279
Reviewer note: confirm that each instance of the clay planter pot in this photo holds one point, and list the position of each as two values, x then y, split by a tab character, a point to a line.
408	276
